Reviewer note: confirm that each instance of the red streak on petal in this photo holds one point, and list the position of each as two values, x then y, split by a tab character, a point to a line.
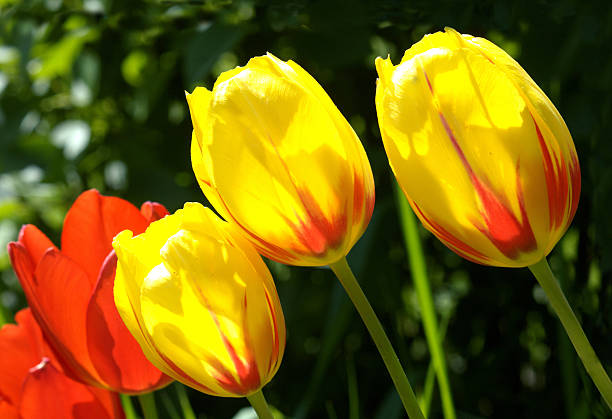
247	372
358	199
276	348
266	248
225	379
456	245
557	183
503	229
317	232
575	176
363	202
186	377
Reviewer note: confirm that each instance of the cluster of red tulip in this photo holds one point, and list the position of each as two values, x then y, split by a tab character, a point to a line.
69	353
482	155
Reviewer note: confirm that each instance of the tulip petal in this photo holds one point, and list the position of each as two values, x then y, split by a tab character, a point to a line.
558	154
8	411
131	271
114	352
203	177
199	104
61	314
22	264
153	211
192	328
51	395
21	347
89	228
35	242
539	104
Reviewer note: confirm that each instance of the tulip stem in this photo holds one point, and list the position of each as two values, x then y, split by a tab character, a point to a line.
349	282
147	404
421	283
548	282
186	408
258	401
128	407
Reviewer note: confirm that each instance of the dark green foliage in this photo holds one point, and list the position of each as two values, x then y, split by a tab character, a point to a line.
92	96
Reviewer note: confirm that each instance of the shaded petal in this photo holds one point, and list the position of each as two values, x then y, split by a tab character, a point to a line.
114	352
90	225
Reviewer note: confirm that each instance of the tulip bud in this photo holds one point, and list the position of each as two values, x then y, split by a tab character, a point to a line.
273	155
201	303
483	156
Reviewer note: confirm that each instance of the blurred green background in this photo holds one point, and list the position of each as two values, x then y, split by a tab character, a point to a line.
92	96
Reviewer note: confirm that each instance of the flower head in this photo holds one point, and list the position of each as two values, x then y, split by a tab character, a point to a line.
201	303
273	155
70	292
483	156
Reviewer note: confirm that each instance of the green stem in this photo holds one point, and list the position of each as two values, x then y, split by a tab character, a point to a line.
430	378
147	404
350	284
258	401
425	397
421	284
585	351
188	412
128	407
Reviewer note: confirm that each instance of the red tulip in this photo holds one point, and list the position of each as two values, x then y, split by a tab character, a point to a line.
33	386
71	293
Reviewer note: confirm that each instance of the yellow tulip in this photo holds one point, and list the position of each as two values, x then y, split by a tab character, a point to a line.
200	301
483	156
274	155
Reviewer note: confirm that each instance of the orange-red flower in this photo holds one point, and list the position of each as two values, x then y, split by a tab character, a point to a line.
71	293
32	385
